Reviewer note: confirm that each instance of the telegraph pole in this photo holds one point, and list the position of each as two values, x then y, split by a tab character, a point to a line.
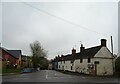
111	45
112	54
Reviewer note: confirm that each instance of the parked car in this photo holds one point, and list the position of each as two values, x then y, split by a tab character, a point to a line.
27	70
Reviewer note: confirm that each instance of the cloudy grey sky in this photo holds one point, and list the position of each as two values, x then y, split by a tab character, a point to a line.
59	26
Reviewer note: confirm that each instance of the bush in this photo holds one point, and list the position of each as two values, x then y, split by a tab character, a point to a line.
117	65
11	70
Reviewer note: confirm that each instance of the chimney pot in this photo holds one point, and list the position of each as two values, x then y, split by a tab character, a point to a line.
103	42
73	51
82	48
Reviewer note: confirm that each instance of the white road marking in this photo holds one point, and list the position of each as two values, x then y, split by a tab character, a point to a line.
83	77
46	75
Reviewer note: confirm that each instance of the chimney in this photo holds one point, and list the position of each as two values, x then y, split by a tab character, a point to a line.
62	55
82	48
73	51
103	42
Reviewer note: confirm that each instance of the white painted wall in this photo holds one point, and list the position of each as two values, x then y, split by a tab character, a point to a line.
68	65
81	67
105	66
104	52
106	62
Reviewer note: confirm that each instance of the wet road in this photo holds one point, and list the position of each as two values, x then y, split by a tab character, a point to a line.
51	76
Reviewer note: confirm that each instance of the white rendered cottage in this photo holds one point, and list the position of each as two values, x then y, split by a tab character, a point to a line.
96	60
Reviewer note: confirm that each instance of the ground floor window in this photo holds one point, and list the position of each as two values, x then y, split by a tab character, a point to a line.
96	62
63	67
71	67
89	60
81	60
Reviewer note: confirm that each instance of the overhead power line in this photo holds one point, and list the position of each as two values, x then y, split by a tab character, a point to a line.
60	18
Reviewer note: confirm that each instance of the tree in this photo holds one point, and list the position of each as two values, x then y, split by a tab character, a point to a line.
37	53
117	64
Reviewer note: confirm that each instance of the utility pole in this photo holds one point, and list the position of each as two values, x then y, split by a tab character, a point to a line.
111	45
112	54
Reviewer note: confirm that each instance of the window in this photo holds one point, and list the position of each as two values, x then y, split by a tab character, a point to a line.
96	62
88	60
71	67
81	60
62	67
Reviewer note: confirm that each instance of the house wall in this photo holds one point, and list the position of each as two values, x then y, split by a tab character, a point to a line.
10	58
59	65
104	52
68	66
19	62
81	67
105	67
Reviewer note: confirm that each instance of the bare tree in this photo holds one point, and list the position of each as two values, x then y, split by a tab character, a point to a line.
37	53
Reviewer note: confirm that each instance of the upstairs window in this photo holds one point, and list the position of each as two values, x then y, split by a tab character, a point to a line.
89	60
72	61
81	60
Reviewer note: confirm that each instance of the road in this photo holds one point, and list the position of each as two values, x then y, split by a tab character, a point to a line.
54	77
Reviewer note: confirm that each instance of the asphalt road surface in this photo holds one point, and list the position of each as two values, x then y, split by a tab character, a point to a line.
54	77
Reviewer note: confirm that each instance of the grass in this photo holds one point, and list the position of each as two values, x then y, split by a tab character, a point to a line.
11	70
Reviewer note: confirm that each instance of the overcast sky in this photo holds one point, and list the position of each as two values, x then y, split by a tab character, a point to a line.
59	26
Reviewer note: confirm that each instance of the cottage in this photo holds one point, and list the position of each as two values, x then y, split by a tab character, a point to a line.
97	60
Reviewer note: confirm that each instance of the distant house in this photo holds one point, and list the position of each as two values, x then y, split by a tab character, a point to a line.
55	63
97	60
8	60
17	55
24	61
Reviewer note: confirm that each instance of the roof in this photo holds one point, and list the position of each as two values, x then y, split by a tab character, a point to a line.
7	51
24	57
86	53
15	53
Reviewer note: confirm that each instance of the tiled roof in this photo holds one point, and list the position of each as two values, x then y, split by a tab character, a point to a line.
7	51
86	53
15	53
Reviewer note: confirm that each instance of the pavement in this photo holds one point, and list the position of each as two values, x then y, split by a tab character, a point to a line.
54	77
